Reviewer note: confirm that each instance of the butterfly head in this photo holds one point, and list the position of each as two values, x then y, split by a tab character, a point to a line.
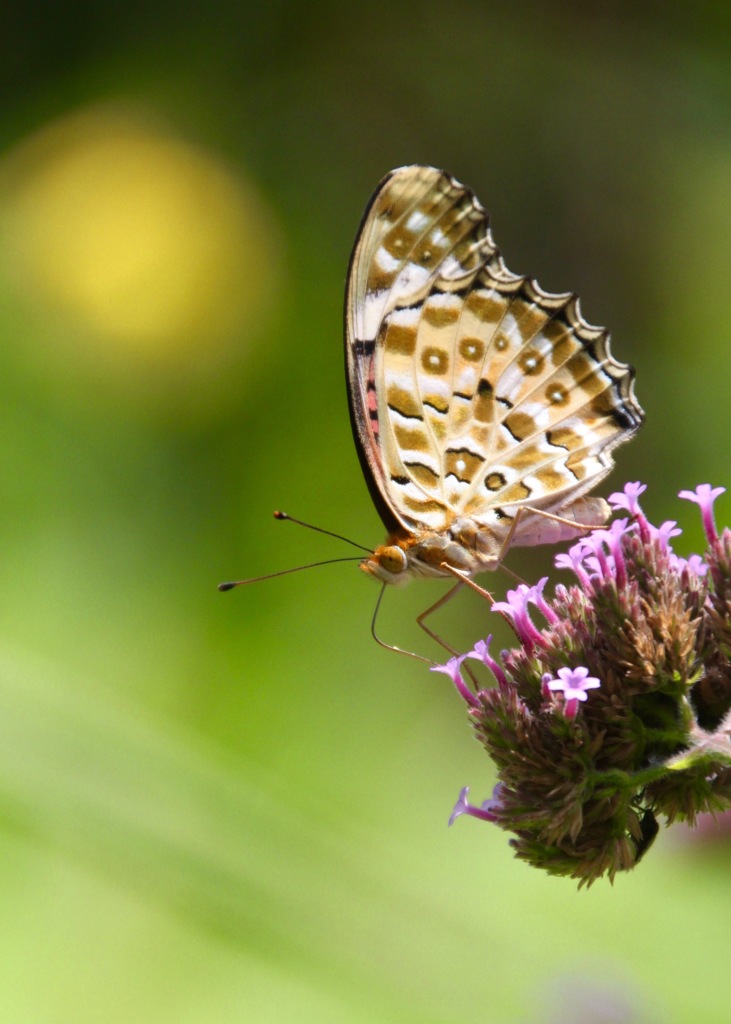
389	563
402	559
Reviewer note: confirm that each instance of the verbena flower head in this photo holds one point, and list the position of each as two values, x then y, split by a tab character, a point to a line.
616	708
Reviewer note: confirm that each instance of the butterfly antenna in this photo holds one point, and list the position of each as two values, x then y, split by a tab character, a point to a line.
286	572
319	529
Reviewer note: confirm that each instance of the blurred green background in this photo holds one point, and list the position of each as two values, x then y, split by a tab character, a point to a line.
232	807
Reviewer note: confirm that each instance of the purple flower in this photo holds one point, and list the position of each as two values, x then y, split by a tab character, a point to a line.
516	611
574	560
694	564
452	669
705	495
481	652
664	532
599	557
594	555
574	682
627	498
484	811
535	594
612	537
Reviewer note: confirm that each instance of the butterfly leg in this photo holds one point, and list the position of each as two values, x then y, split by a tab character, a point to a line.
571	523
463	580
511	533
435	607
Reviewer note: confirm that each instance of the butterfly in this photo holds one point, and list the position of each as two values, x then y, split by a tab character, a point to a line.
483	408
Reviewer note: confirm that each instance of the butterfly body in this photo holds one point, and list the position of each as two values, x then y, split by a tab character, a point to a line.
479	402
471	548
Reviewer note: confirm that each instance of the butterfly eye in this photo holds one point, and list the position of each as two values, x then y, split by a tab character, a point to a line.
392	559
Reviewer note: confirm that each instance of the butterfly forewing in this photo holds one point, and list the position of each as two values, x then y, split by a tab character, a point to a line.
472	391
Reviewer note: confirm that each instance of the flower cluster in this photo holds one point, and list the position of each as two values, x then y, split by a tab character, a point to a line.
618	709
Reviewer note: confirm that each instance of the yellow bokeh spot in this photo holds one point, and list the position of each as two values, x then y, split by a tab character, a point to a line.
147	245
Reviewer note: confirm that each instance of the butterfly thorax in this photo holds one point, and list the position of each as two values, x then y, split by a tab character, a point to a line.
464	546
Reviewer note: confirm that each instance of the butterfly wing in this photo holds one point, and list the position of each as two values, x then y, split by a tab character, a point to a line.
471	390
